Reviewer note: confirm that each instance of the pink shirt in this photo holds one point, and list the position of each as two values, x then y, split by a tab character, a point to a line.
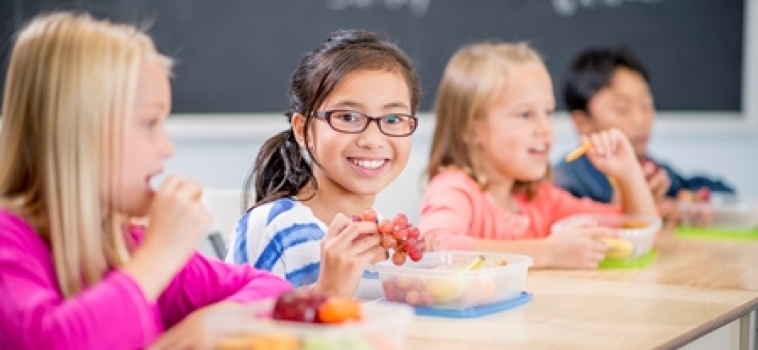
455	211
113	314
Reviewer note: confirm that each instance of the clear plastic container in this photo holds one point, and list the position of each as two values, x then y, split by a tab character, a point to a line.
440	281
727	215
383	327
636	234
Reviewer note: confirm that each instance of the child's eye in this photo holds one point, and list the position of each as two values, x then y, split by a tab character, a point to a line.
550	112
349	117
525	114
150	123
393	119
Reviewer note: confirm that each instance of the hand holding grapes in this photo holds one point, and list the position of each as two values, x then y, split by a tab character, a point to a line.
399	235
347	248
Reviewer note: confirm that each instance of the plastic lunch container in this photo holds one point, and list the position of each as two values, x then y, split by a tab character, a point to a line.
441	279
727	214
636	233
383	327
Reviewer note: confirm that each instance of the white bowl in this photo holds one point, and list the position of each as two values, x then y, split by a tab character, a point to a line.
641	236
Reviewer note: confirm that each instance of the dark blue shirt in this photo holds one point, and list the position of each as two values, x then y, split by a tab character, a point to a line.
582	179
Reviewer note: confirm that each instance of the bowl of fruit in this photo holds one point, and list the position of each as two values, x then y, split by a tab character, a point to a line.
304	320
455	280
702	210
635	233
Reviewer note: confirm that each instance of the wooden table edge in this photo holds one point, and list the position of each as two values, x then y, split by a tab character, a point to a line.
711	326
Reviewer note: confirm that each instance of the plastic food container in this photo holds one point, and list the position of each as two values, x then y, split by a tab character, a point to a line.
383	327
441	279
636	234
726	214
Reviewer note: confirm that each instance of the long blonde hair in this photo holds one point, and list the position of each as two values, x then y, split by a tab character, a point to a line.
472	80
68	98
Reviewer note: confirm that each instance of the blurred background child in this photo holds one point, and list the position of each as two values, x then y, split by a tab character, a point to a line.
610	88
489	165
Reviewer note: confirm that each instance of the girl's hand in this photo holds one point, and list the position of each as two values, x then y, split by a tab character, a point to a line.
578	246
197	330
611	153
347	248
178	221
178	217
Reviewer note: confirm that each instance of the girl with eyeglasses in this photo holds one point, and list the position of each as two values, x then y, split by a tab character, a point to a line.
351	115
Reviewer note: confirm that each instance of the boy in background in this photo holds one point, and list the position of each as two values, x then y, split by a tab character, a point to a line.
610	88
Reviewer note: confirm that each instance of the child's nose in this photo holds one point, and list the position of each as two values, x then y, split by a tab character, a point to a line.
641	116
372	137
544	124
167	147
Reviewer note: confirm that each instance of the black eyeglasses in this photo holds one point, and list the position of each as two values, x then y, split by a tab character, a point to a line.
352	122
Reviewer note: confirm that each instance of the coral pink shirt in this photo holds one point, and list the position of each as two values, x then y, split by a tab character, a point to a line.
455	211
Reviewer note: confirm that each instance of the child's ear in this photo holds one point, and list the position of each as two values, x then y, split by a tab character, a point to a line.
298	128
582	122
471	136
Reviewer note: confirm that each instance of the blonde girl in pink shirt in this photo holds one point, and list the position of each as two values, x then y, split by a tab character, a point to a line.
489	163
83	133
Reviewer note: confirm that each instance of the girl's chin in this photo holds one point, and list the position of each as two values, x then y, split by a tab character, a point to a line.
533	177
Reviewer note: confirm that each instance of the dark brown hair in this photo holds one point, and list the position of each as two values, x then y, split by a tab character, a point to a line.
281	168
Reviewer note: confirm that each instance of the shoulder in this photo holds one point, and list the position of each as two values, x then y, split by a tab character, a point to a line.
280	215
16	233
266	214
549	193
452	179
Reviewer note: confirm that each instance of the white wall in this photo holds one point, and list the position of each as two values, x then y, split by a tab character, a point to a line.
219	150
218	157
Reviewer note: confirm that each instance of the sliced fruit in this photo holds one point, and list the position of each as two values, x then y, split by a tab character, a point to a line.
444	290
475	264
257	342
633	224
339	310
618	248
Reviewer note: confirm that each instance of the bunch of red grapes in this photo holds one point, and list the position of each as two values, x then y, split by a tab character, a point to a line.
397	234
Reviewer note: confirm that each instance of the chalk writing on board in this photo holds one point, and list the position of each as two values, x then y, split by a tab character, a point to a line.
417	8
568	8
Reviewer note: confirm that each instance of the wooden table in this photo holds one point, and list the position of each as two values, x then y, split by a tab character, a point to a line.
686	262
573	313
694	287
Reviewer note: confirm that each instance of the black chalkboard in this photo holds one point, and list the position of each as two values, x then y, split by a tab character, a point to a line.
235	56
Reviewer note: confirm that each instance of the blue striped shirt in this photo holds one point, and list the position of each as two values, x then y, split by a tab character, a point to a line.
284	237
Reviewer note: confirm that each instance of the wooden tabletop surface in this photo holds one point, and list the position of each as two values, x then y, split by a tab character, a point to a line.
695	286
576	313
686	262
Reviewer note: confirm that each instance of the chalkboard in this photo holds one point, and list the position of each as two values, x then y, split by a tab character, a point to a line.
236	56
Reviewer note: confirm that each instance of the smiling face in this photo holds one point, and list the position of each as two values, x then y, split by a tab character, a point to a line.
145	145
359	163
516	134
627	104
